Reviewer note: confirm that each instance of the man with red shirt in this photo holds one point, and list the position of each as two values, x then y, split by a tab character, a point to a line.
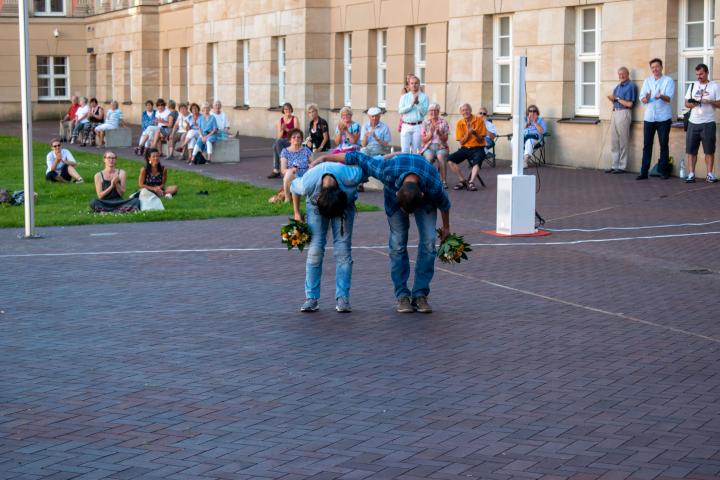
68	121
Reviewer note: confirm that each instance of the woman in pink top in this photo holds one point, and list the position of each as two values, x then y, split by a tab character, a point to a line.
286	123
434	132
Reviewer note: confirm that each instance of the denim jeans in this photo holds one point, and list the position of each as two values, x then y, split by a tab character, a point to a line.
663	132
342	243
425	218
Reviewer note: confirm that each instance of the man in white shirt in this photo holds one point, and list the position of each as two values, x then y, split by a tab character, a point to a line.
61	164
413	107
703	97
656	94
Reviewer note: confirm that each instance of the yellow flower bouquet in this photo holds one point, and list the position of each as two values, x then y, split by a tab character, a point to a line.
295	234
453	249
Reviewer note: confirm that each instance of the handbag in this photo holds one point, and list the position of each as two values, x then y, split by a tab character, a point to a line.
686	115
149	201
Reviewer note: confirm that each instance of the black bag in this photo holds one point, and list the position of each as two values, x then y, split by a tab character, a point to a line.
686	115
198	159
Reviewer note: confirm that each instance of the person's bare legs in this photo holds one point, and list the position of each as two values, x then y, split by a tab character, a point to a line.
456	170
287	180
709	162
74	174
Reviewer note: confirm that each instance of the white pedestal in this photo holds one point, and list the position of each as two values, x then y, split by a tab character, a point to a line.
515	204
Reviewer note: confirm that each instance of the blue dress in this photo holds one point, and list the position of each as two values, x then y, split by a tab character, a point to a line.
147	119
206	125
299	159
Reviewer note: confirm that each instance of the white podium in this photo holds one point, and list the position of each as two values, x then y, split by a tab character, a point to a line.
515	204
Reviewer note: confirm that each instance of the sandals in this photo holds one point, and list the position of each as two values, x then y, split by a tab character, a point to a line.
462	184
471	187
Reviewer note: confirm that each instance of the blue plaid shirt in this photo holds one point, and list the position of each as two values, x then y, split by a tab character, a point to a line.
392	172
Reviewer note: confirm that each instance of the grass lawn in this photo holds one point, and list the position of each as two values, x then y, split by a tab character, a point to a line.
67	204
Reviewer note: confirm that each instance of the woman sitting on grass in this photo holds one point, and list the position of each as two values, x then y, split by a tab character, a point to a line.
153	175
110	186
294	160
61	164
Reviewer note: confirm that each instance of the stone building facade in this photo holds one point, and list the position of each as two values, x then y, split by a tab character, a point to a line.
256	54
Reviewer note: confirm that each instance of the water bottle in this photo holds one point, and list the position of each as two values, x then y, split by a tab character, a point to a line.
682	168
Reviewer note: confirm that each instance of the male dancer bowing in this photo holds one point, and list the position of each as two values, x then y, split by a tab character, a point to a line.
330	192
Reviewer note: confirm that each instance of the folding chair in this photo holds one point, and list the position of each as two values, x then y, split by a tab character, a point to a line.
538	155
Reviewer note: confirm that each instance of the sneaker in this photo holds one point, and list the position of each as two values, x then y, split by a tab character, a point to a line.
274	174
711	178
343	305
404	305
168	195
690	178
80	180
310	305
421	305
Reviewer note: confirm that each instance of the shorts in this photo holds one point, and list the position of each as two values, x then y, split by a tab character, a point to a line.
435	150
700	132
52	175
474	155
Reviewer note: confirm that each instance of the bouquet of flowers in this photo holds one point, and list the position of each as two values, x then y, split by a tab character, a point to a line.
453	249
295	234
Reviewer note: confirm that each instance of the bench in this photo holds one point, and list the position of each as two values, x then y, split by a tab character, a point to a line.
226	150
118	137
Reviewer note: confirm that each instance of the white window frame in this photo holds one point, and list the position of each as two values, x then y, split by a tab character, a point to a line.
282	69
685	53
214	77
420	60
347	69
51	76
381	58
582	57
47	13
499	61
246	72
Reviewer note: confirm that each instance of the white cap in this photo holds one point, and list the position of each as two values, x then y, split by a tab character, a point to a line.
374	111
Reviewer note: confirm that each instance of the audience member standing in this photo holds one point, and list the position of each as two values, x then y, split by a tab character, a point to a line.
413	107
703	98
623	98
656	93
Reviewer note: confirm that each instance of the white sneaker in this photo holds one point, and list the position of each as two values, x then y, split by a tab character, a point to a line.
690	178
167	195
711	178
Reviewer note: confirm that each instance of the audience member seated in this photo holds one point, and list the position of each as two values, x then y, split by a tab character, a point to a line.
166	125
434	132
81	118
95	118
470	132
110	186
221	119
61	164
147	121
193	131
318	139
491	129
153	175
347	132
208	130
532	132
161	121
294	160
113	120
68	121
177	135
375	136
287	122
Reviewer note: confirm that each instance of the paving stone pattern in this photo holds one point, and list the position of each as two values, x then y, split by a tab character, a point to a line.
166	351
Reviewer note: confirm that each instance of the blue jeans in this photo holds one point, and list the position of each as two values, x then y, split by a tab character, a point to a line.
425	218
342	243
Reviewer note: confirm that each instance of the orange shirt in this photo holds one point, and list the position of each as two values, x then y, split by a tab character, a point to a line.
478	124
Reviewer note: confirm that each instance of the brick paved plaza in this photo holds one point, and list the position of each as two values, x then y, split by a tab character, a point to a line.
176	350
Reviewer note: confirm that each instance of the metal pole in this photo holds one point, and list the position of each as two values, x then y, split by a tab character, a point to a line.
518	115
26	121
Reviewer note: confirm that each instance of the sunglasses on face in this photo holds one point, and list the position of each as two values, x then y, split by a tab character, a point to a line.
532	111
110	156
56	146
482	113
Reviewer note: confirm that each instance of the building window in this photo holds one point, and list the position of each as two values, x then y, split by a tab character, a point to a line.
214	73
502	63
185	74
49	7
92	81
347	68
167	73
695	42
128	90
243	73
52	78
420	52
110	77
587	62
381	67
282	69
